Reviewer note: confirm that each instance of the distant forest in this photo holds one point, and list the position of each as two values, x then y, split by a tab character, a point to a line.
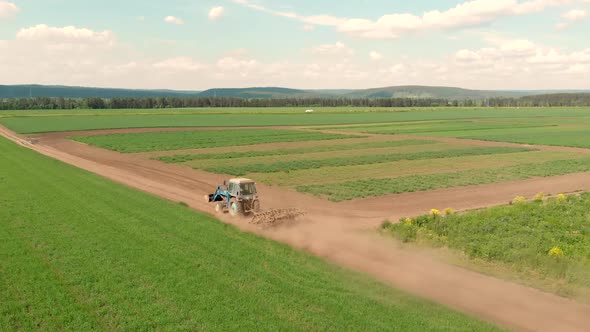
547	100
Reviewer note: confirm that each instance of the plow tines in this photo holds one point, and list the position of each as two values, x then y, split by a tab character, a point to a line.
276	216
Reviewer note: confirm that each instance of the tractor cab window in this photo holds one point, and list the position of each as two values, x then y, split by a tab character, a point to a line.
232	188
248	188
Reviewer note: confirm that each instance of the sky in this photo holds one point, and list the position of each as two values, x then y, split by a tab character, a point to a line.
306	44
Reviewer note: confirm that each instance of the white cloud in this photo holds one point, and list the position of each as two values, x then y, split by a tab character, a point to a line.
81	56
173	20
375	56
467	55
390	26
308	27
8	9
178	64
216	13
69	35
575	15
337	48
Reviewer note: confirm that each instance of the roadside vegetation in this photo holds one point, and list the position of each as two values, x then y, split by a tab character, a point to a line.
82	253
545	241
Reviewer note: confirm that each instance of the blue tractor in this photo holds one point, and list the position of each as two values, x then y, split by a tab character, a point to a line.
238	197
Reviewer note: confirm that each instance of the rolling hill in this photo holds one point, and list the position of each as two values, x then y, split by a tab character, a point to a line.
409	91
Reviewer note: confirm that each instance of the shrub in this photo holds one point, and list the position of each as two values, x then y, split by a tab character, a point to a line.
519	200
561	198
449	211
540	197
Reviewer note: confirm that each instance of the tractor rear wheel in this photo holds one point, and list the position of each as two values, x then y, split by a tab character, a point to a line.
235	208
256	206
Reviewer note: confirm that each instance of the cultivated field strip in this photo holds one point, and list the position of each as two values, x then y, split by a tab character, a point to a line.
407	168
552	132
378	187
282	152
288	166
176	140
347	154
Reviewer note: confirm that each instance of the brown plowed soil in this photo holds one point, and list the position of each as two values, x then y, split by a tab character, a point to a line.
331	231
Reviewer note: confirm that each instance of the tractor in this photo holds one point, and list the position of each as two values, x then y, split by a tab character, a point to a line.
239	197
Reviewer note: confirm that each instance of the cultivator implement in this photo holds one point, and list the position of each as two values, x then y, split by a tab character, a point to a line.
275	216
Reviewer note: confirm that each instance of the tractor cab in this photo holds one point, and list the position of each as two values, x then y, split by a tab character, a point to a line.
238	196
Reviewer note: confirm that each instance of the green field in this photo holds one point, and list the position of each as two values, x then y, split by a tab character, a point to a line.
231	118
82	253
306	163
545	131
371	187
519	238
181	158
177	140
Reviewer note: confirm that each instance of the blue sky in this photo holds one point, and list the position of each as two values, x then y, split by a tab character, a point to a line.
199	44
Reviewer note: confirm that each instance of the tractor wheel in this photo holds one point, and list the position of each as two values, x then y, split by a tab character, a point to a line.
219	207
235	208
256	206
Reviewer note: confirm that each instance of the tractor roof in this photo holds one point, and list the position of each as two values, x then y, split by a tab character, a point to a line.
241	180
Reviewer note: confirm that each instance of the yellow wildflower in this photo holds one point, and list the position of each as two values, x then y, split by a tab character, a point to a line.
408	222
561	198
434	212
556	252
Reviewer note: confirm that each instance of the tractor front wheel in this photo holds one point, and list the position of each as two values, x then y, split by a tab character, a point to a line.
235	208
219	207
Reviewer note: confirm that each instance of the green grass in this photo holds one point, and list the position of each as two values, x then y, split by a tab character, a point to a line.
574	136
372	187
407	168
518	236
181	158
427	128
301	164
177	140
79	252
110	120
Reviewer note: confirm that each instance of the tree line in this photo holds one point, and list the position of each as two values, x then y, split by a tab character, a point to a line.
38	103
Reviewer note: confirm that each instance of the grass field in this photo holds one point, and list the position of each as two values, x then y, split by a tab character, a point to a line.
82	253
547	241
110	120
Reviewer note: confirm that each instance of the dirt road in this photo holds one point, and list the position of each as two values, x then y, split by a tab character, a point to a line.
331	231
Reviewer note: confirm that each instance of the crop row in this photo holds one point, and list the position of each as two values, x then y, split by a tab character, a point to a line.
177	140
280	152
379	187
287	166
439	127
